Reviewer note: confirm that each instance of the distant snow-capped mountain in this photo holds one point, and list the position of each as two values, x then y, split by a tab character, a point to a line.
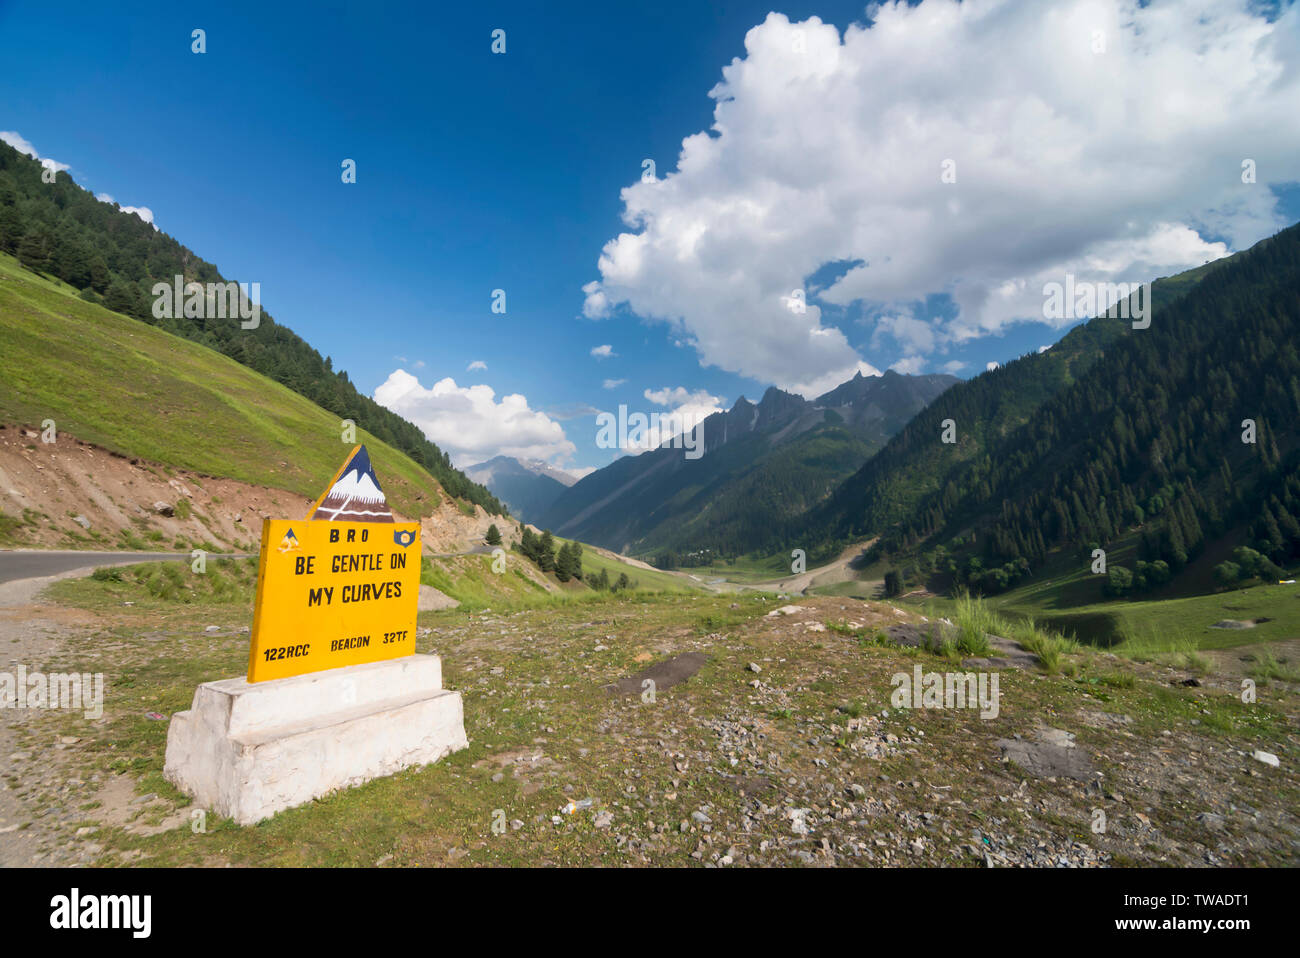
526	486
762	462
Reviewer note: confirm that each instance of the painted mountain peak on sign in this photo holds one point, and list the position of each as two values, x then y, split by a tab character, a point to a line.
354	494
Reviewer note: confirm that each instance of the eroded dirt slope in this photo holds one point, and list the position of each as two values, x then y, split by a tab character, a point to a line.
70	494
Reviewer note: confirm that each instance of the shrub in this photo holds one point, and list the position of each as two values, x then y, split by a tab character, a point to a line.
1227	573
1119	580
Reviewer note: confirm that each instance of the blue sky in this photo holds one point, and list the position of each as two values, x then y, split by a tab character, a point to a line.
478	171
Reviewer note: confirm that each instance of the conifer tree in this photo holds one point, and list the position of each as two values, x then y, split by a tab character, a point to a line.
564	563
546	552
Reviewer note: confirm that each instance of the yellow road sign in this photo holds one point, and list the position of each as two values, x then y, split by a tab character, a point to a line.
331	594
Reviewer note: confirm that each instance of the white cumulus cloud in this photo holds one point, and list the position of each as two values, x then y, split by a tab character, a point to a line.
686	408
476	366
909	365
1116	160
143	212
914	335
814	387
603	352
696	404
471	424
20	143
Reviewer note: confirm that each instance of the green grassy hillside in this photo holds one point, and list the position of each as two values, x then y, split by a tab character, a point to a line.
593	563
142	392
1071	603
1177	454
114	258
917	480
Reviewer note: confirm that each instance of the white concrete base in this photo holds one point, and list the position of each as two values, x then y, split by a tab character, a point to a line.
249	751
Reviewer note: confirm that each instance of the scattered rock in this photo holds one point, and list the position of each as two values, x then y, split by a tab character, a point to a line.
1048	758
785	610
1056	736
431	600
1268	758
664	674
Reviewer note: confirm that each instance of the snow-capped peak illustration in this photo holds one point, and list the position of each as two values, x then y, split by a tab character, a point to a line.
355	494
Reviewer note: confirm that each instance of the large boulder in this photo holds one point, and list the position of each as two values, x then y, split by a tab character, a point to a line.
431	600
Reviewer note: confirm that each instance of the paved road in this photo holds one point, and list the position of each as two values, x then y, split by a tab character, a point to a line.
33	564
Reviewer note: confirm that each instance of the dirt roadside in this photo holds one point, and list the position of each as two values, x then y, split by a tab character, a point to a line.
838	570
31	631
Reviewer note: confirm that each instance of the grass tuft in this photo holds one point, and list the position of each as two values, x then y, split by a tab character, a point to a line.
1266	667
974	622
